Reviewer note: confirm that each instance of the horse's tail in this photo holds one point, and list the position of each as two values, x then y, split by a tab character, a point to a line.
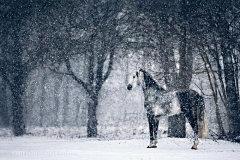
202	119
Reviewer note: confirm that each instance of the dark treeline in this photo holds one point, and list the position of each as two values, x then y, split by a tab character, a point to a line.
82	40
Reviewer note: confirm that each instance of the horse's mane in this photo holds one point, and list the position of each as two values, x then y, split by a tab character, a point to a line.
150	82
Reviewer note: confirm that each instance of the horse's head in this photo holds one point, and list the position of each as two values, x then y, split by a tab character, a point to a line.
136	80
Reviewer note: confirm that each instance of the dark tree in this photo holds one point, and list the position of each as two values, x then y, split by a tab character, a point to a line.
222	29
12	68
216	34
4	108
95	47
15	62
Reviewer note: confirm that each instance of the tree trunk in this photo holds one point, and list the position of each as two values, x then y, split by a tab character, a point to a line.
185	61
231	91
77	113
219	121
223	95
185	76
236	70
42	105
185	73
4	105
176	124
17	108
57	84
214	87
66	103
92	119
170	74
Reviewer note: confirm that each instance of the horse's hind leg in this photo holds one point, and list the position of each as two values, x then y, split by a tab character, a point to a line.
196	142
192	119
189	104
193	123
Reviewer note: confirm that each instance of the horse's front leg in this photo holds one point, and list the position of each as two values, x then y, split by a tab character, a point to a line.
152	130
155	130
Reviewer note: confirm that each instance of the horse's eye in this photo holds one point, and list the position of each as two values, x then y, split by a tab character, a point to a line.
133	76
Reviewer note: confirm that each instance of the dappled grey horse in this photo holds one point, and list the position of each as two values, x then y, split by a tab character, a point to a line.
160	102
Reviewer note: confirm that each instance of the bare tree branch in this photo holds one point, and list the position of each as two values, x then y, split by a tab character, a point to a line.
110	65
58	72
69	68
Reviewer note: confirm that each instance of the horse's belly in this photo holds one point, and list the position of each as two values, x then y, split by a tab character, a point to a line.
175	107
170	109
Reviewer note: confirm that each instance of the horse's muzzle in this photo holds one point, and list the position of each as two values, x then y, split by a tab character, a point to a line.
129	87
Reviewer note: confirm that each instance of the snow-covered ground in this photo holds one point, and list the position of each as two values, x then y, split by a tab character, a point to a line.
36	148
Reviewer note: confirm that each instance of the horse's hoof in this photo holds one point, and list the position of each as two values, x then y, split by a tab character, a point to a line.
194	148
151	146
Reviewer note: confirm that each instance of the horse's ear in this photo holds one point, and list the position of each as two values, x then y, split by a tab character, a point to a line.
137	74
141	70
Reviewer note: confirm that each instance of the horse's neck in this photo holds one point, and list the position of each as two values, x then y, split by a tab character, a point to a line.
154	87
148	96
150	87
149	92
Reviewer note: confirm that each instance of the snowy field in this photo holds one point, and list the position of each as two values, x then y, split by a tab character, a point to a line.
36	148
